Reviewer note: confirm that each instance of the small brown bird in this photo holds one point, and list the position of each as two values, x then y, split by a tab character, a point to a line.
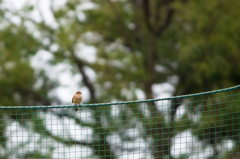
77	99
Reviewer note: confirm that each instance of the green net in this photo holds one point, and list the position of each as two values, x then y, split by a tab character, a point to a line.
203	125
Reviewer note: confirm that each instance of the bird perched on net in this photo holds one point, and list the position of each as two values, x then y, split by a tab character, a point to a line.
77	99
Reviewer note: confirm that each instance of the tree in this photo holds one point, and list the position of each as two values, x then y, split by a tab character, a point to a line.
18	80
139	43
208	51
69	33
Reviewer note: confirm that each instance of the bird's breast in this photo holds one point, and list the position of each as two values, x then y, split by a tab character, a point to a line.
78	99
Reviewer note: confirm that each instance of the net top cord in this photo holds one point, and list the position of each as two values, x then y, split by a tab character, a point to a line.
120	103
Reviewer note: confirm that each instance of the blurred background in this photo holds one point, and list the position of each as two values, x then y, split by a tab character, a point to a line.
113	50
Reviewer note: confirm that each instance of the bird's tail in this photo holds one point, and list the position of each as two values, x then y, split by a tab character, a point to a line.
76	109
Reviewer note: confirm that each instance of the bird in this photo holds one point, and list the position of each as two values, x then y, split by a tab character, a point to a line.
77	99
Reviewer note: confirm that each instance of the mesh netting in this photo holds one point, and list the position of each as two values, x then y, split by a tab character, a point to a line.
204	125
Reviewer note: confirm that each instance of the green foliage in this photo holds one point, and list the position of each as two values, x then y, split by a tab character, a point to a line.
35	154
17	77
208	47
219	118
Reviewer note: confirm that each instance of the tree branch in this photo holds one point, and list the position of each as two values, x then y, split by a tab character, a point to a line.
167	22
147	15
86	80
